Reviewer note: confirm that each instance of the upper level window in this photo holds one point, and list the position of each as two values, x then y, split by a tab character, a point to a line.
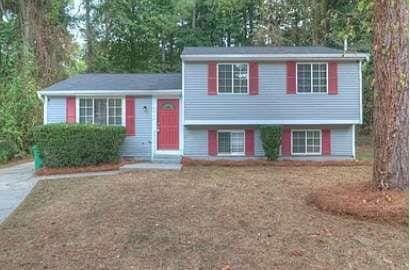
102	111
312	78
233	78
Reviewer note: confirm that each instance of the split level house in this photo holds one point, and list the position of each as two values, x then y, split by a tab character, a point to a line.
213	109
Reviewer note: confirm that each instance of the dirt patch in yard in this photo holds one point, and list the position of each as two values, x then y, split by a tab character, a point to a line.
198	218
363	201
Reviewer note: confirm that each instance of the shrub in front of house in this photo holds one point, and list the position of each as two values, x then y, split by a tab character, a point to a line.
73	145
271	139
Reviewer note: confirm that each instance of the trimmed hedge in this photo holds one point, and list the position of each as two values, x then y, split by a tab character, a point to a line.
73	145
271	140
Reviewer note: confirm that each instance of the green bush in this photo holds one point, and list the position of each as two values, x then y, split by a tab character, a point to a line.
8	149
271	139
71	145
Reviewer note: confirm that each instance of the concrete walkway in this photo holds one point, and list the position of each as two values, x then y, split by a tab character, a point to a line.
16	183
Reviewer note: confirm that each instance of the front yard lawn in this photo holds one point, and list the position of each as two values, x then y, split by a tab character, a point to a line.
199	218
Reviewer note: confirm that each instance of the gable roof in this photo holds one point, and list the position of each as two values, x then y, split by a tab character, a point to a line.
260	50
119	82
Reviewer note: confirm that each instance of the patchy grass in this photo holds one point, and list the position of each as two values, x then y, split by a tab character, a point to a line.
365	148
199	218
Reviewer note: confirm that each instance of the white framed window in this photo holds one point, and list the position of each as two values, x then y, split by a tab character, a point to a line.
101	111
231	142
233	78
311	77
306	142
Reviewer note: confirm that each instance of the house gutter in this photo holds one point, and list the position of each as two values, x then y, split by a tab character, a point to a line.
277	57
109	92
40	96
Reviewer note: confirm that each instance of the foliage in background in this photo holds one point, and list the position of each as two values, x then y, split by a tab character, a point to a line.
72	145
19	105
37	49
271	140
149	35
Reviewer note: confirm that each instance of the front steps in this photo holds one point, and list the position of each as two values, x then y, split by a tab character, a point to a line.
150	166
166	159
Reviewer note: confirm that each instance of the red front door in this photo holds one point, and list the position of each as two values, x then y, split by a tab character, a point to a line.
168	124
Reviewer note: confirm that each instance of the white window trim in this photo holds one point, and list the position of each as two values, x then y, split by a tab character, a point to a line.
311	79
306	153
232	153
77	105
232	93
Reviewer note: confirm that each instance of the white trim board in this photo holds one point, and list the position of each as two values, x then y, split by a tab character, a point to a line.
267	57
45	111
269	122
361	92
109	92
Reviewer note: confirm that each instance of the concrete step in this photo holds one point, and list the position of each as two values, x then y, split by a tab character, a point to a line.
167	159
150	166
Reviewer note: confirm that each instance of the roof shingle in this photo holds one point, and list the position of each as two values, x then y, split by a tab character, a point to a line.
109	81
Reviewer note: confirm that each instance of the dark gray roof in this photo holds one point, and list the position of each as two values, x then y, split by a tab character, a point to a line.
108	81
259	50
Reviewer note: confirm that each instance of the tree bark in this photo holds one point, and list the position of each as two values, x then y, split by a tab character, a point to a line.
89	55
391	126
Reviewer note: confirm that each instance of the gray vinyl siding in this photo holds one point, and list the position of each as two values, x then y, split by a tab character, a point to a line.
196	140
140	145
56	109
341	141
272	102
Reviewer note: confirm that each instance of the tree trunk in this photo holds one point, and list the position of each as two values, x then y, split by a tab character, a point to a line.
194	15
89	54
391	126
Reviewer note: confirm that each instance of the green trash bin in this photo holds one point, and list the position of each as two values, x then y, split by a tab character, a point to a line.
38	162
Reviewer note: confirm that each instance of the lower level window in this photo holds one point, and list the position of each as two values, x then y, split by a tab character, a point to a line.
306	142
231	142
102	111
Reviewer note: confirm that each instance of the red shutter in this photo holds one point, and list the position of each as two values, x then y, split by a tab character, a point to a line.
130	115
286	142
253	78
70	110
326	145
332	66
291	77
212	142
212	78
249	142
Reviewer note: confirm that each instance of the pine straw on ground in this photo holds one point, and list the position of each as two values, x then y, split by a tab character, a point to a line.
363	201
277	163
197	218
